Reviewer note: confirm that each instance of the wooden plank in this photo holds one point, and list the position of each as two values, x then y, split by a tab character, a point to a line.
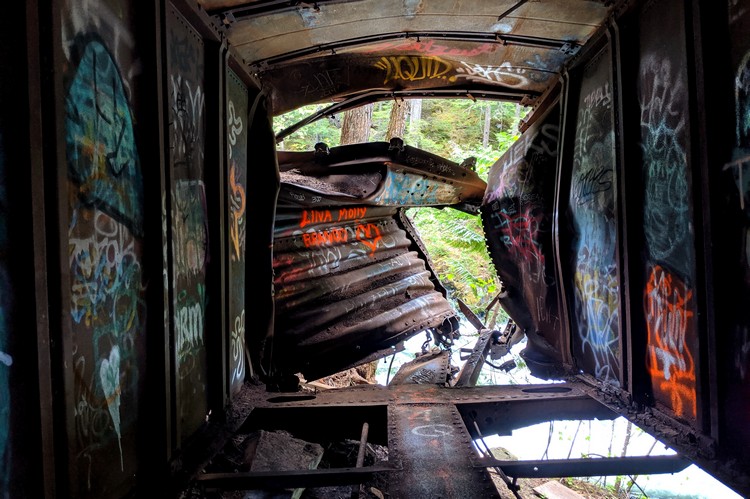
555	490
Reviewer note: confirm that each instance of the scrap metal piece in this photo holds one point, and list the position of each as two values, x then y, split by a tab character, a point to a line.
502	343
431	368
473	366
470	315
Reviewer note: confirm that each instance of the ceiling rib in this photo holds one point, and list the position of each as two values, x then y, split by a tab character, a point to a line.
567	47
376	96
263	8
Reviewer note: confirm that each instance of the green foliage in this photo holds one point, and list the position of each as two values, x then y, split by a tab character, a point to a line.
448	127
456	245
324	130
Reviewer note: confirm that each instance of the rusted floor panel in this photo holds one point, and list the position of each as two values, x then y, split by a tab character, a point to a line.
433	449
426	394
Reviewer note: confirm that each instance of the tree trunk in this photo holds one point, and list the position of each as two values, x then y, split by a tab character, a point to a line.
487	122
356	125
415	121
397	121
628	432
416	111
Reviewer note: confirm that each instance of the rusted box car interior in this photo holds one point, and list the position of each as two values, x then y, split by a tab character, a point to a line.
187	274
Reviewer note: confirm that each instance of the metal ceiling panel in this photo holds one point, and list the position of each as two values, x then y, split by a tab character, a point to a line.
528	69
292	29
304	53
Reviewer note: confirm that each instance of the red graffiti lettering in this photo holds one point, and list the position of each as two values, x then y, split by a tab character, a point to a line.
324	237
669	314
520	233
369	235
315	217
352	213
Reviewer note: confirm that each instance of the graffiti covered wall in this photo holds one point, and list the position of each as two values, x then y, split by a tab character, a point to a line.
236	134
185	61
105	245
669	300
421	66
592	218
517	214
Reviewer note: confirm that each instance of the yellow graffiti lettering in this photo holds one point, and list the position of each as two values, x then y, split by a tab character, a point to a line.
415	68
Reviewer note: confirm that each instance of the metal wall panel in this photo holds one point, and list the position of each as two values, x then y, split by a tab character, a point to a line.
189	225
105	247
236	137
668	258
346	289
6	306
336	76
517	215
23	382
351	280
590	217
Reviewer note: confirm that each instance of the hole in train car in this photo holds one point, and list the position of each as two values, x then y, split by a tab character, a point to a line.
533	437
471	134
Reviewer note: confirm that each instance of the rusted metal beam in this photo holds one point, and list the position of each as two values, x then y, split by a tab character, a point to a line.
430	444
412	393
262	8
476	92
553	468
470	315
255	480
460	36
473	365
503	417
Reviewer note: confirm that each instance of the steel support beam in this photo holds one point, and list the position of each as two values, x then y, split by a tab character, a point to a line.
256	480
555	468
430	445
460	36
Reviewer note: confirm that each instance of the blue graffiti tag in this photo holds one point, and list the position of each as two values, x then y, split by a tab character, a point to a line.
101	151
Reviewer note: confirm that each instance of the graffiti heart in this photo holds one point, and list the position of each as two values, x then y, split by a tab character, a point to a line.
109	373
